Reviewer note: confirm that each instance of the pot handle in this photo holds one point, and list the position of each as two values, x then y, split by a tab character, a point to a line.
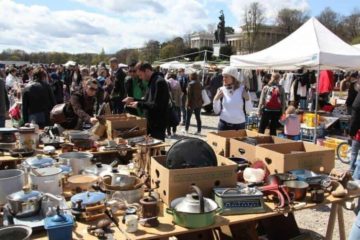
170	211
219	210
97	187
200	196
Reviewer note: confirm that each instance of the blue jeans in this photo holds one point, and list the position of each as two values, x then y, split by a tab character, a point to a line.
354	160
2	121
197	112
224	126
355	230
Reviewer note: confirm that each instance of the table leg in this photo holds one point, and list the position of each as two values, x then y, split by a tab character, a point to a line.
341	222
331	223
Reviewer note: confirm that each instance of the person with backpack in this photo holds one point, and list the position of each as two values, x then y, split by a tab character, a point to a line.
232	101
272	104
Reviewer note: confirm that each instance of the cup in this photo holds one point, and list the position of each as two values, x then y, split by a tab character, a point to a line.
131	223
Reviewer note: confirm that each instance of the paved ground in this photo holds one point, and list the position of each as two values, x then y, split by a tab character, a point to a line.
313	220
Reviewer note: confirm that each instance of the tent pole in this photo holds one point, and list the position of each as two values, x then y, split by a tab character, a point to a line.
316	102
203	68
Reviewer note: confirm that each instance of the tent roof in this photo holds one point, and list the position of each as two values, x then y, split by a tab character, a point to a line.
310	46
356	45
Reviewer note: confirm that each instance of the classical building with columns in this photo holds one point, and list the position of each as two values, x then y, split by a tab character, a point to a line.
267	36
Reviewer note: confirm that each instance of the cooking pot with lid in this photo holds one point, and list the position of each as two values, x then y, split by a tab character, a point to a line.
193	211
24	203
7	135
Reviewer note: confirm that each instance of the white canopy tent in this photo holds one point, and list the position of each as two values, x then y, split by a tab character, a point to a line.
357	46
310	46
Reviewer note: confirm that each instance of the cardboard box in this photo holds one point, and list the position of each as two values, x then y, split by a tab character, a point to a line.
220	141
176	183
247	151
116	124
284	157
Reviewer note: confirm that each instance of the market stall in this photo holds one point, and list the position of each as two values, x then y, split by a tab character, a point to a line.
312	46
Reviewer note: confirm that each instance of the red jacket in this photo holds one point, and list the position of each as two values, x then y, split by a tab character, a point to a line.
326	81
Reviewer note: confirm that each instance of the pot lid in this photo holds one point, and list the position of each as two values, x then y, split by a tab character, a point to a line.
65	169
39	161
88	198
97	168
27	130
48	171
191	204
8	130
24	195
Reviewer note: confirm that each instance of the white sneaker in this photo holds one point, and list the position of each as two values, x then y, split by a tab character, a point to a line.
197	133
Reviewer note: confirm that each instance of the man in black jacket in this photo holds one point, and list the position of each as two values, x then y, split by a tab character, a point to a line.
156	101
118	81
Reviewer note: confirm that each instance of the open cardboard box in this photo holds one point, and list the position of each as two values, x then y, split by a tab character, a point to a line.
220	141
174	183
241	149
284	157
116	123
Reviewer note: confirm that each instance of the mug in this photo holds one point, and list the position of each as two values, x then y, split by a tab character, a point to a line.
131	223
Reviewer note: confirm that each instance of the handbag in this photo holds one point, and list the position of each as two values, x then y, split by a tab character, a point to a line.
57	114
174	118
205	97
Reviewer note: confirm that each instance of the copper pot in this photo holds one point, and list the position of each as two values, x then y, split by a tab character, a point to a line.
297	189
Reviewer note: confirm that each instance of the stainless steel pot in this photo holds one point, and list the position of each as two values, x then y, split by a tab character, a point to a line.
77	160
24	203
18	232
11	181
47	180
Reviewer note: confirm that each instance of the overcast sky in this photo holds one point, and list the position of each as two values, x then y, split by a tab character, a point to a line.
76	26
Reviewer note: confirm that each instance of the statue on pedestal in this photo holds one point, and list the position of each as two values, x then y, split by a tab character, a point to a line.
220	31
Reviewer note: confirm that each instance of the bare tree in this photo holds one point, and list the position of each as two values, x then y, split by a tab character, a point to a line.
253	19
352	23
291	19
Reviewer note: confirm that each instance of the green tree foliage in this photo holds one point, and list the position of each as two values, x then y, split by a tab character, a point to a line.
151	51
189	51
226	50
168	51
229	30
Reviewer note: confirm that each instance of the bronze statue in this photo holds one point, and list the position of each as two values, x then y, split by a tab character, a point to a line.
220	31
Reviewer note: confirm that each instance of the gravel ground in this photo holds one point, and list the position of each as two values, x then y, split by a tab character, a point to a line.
313	220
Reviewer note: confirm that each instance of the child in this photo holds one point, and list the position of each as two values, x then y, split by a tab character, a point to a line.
291	122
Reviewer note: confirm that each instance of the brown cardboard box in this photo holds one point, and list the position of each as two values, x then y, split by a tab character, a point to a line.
125	121
176	183
284	157
247	151
220	141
